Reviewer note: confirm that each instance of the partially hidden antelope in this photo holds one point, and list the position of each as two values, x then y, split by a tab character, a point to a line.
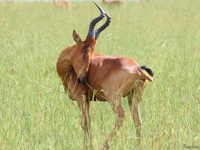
62	4
119	2
88	76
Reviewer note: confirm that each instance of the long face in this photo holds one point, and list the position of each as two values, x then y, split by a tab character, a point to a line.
81	56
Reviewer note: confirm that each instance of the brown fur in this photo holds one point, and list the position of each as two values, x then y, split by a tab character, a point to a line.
119	2
62	4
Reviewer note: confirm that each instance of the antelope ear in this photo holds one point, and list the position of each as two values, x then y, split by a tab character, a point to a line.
76	37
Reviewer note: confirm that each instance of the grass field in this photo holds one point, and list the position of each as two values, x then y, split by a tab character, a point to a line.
36	114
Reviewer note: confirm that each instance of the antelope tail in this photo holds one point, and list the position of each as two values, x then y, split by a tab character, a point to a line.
148	75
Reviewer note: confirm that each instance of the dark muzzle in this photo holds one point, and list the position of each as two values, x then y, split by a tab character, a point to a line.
81	82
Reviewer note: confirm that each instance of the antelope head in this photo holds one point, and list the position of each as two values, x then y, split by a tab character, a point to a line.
82	54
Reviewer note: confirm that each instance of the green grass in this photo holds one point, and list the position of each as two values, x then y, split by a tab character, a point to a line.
35	113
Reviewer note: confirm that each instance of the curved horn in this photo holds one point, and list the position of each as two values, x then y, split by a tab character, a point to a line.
100	9
95	33
98	31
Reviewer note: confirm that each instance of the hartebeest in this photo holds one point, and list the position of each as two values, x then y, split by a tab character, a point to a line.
62	4
102	78
119	2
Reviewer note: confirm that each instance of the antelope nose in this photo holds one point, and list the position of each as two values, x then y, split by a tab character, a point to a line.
81	82
84	82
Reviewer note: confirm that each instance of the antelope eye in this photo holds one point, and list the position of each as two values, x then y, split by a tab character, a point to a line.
84	50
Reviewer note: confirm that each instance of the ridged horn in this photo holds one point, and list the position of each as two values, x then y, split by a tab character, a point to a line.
95	33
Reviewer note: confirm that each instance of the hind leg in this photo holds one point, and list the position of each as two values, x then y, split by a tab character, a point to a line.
135	99
119	111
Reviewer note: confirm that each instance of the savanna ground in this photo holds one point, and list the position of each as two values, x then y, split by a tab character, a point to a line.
35	113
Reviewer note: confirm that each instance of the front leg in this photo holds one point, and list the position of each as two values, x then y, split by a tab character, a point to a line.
84	106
